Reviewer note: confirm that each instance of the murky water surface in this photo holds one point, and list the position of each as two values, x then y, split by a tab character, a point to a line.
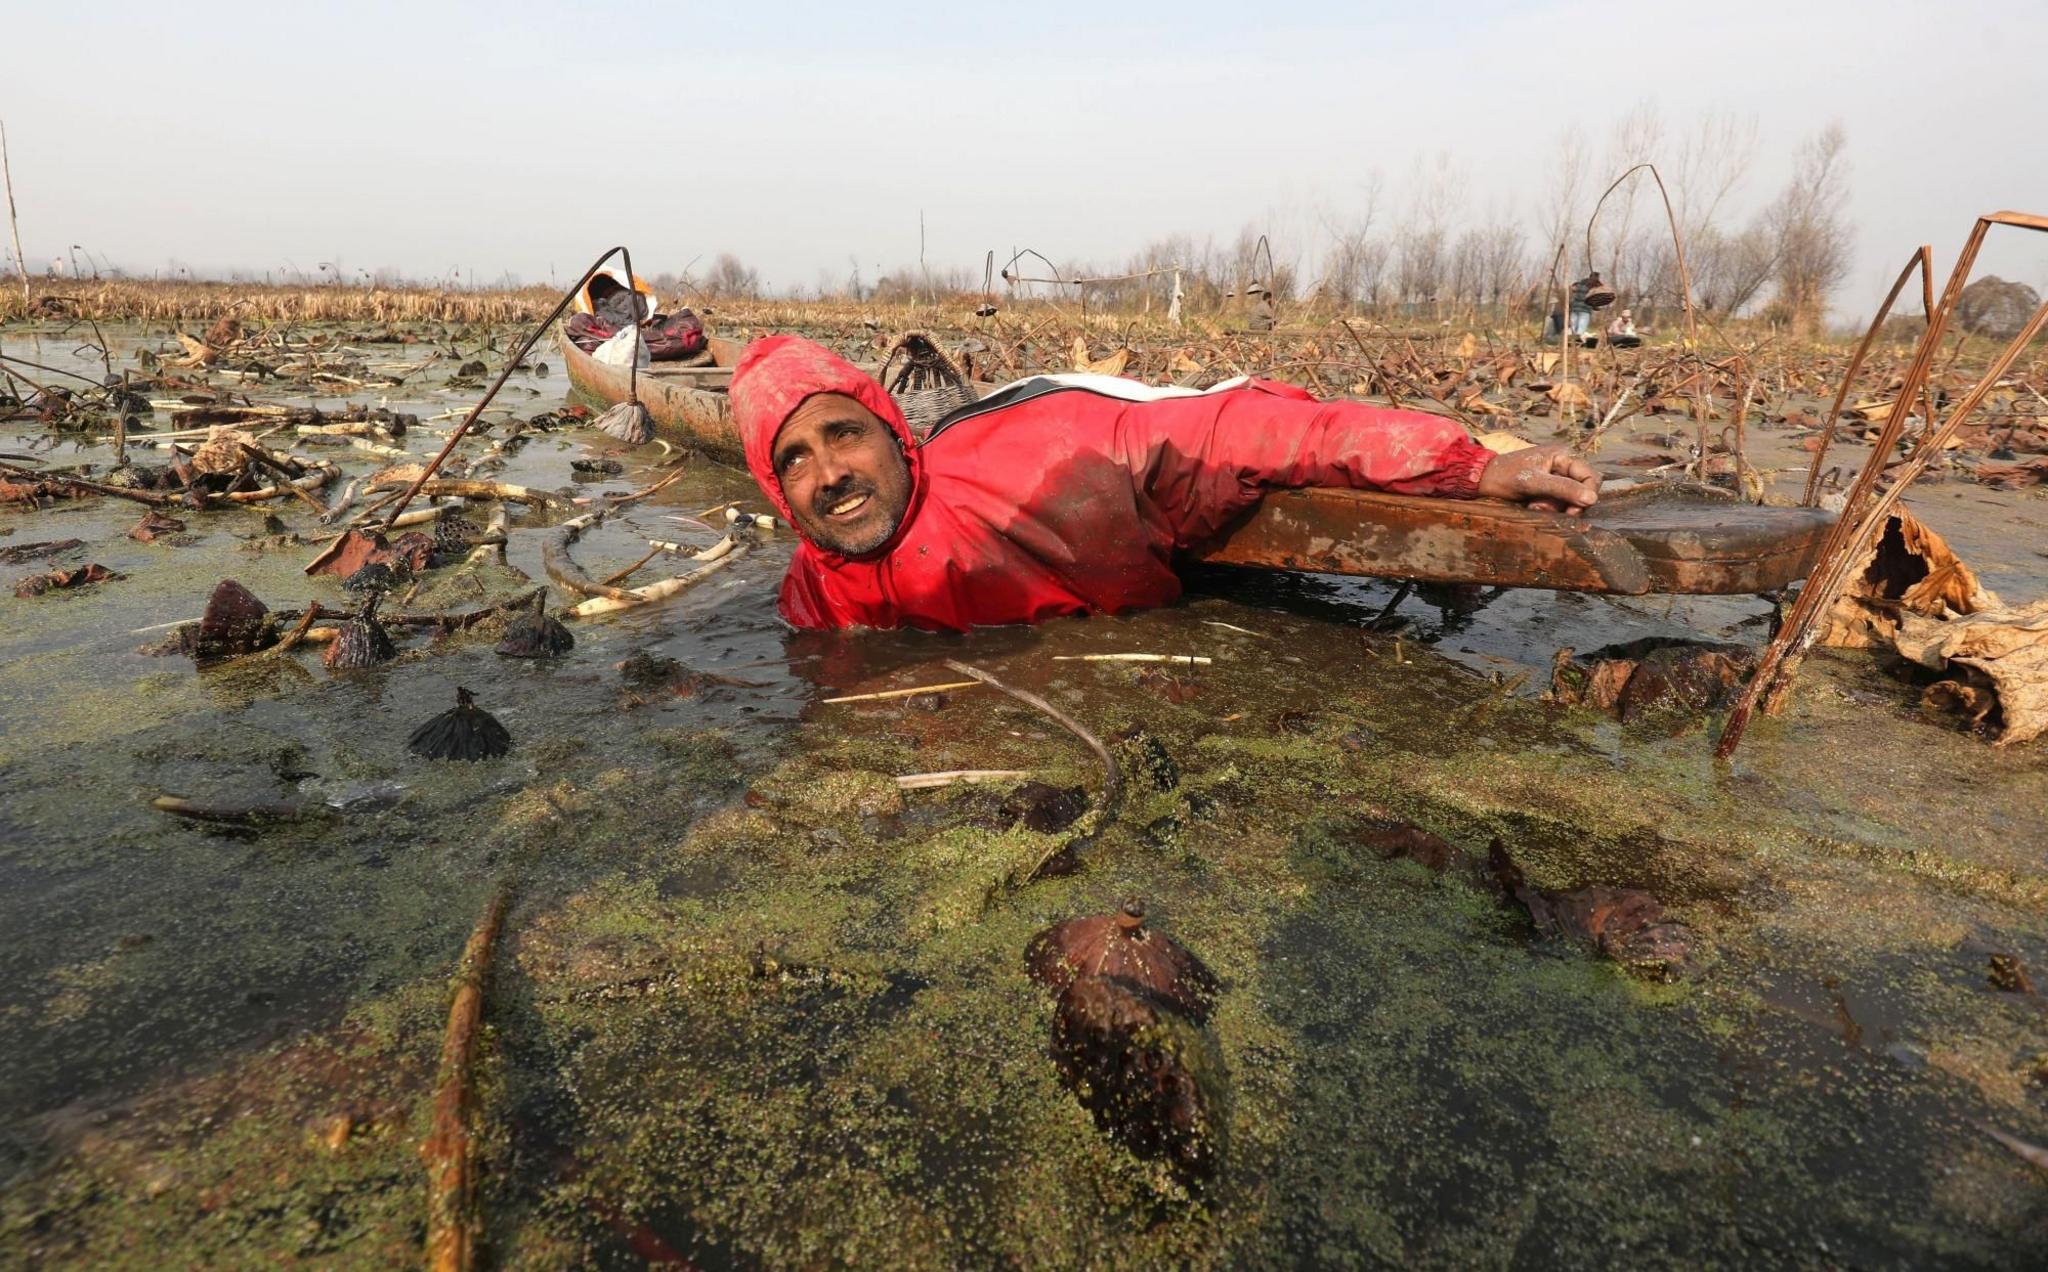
754	1005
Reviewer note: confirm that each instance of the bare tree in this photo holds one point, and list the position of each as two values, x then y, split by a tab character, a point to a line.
1729	270
1812	239
1503	265
1465	280
1356	261
1713	161
1422	242
730	278
1567	191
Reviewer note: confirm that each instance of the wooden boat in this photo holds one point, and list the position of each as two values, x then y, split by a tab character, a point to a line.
687	403
1638	539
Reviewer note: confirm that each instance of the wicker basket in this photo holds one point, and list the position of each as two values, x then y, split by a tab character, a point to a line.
930	385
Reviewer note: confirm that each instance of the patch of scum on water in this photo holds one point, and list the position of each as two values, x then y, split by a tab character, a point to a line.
795	1027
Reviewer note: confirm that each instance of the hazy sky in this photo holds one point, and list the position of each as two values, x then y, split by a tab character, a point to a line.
514	137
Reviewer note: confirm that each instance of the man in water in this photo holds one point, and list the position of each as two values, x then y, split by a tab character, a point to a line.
1064	494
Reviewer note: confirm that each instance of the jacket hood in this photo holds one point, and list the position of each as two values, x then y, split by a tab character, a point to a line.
773	378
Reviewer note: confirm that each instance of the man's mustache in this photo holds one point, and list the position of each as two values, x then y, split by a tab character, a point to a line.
839	492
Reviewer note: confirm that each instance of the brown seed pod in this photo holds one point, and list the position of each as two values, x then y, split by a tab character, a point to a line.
536	633
456	533
235	623
1147	1074
466	733
377	576
361	641
1120	946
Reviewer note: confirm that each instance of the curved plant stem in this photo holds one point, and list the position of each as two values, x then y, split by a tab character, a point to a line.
452	1221
1112	781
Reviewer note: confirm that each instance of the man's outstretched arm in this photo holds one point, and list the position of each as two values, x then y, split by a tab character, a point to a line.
1203	460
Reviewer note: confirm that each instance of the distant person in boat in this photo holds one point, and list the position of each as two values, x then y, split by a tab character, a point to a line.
1064	494
608	305
1621	333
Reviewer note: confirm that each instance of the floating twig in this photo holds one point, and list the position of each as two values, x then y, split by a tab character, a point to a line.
471	488
320	474
562	568
956	777
911	692
2032	1154
1185	660
264	459
617	577
491	548
297	634
333	511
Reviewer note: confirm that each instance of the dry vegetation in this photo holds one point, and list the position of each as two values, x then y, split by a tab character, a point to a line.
147	300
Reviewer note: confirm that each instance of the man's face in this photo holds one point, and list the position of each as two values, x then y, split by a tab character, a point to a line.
843	473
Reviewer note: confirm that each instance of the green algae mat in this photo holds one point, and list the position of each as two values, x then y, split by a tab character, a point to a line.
790	1020
754	1004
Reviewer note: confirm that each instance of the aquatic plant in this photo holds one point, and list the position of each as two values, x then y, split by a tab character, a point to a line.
467	732
1121	947
361	641
235	622
536	633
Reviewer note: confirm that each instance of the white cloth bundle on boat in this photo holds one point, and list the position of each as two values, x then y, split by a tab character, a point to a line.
623	349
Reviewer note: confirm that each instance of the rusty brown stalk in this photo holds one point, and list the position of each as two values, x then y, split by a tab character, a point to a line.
1923	260
452	1221
1692	326
153	498
1564	313
505	373
1741	413
1847	542
13	219
1386	385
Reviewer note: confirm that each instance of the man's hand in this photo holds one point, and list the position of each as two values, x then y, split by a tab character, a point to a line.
1547	477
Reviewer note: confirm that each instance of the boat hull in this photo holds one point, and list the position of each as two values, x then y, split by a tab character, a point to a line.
687	404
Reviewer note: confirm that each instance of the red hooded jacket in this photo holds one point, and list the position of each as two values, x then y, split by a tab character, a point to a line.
1060	499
